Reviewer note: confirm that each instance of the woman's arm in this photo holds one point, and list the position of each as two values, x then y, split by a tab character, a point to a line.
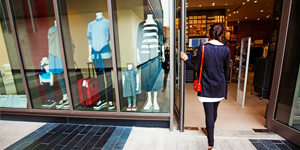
196	66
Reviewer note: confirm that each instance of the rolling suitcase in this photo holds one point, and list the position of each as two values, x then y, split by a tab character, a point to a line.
88	89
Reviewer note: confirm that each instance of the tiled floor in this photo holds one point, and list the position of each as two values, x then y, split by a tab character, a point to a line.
266	144
74	136
68	136
231	116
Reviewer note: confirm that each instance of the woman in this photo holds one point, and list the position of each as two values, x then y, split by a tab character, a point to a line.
215	73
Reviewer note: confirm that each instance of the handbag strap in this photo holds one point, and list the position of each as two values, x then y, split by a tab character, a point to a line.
200	74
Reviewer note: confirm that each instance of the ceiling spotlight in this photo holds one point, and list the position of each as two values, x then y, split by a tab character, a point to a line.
248	0
229	15
268	16
213	4
261	10
199	5
255	1
277	18
226	4
234	12
228	9
246	17
258	18
237	12
244	3
238	21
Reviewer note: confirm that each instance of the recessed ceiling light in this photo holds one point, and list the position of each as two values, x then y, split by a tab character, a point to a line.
237	12
238	21
258	18
229	15
255	1
199	5
226	4
277	18
234	12
248	0
268	16
191	26
178	7
213	4
244	3
261	10
228	9
246	17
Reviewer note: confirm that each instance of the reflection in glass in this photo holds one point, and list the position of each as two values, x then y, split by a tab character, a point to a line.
39	44
177	51
142	48
288	103
90	66
12	94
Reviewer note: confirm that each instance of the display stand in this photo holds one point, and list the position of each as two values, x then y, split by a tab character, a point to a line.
243	70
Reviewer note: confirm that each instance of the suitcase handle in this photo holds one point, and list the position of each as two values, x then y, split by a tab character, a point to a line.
93	67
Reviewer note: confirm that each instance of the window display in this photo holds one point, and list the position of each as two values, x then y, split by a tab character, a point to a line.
40	49
141	48
91	85
12	94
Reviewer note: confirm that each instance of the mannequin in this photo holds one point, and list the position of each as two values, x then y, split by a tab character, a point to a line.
46	80
150	55
55	63
98	34
130	86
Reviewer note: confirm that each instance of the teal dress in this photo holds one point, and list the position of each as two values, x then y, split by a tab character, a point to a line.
129	87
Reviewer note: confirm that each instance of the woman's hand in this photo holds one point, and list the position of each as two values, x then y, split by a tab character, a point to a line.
183	56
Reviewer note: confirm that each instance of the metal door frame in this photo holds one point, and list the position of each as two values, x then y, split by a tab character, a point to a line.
279	128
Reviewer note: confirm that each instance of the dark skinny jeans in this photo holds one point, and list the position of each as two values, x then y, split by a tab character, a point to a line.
210	109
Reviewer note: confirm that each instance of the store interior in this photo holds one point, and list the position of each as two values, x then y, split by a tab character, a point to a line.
241	19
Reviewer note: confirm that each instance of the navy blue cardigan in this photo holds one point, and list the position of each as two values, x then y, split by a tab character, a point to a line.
215	71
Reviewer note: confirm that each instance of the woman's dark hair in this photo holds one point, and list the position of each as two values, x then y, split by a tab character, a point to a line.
216	30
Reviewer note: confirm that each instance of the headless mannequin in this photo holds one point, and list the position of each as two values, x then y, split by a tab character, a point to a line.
129	67
100	76
47	82
149	103
150	20
99	15
65	95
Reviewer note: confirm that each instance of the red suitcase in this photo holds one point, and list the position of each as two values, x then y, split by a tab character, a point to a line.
88	89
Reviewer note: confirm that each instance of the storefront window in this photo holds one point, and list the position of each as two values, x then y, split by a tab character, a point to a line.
39	44
288	106
12	94
85	24
142	48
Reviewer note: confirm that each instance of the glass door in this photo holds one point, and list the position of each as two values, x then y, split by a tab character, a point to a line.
180	24
284	116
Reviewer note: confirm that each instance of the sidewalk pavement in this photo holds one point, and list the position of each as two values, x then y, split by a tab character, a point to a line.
32	135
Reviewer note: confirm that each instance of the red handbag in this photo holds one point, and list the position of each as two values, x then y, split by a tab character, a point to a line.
197	83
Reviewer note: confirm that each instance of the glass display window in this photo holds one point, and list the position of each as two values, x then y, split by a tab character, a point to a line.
143	55
39	45
12	94
86	25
